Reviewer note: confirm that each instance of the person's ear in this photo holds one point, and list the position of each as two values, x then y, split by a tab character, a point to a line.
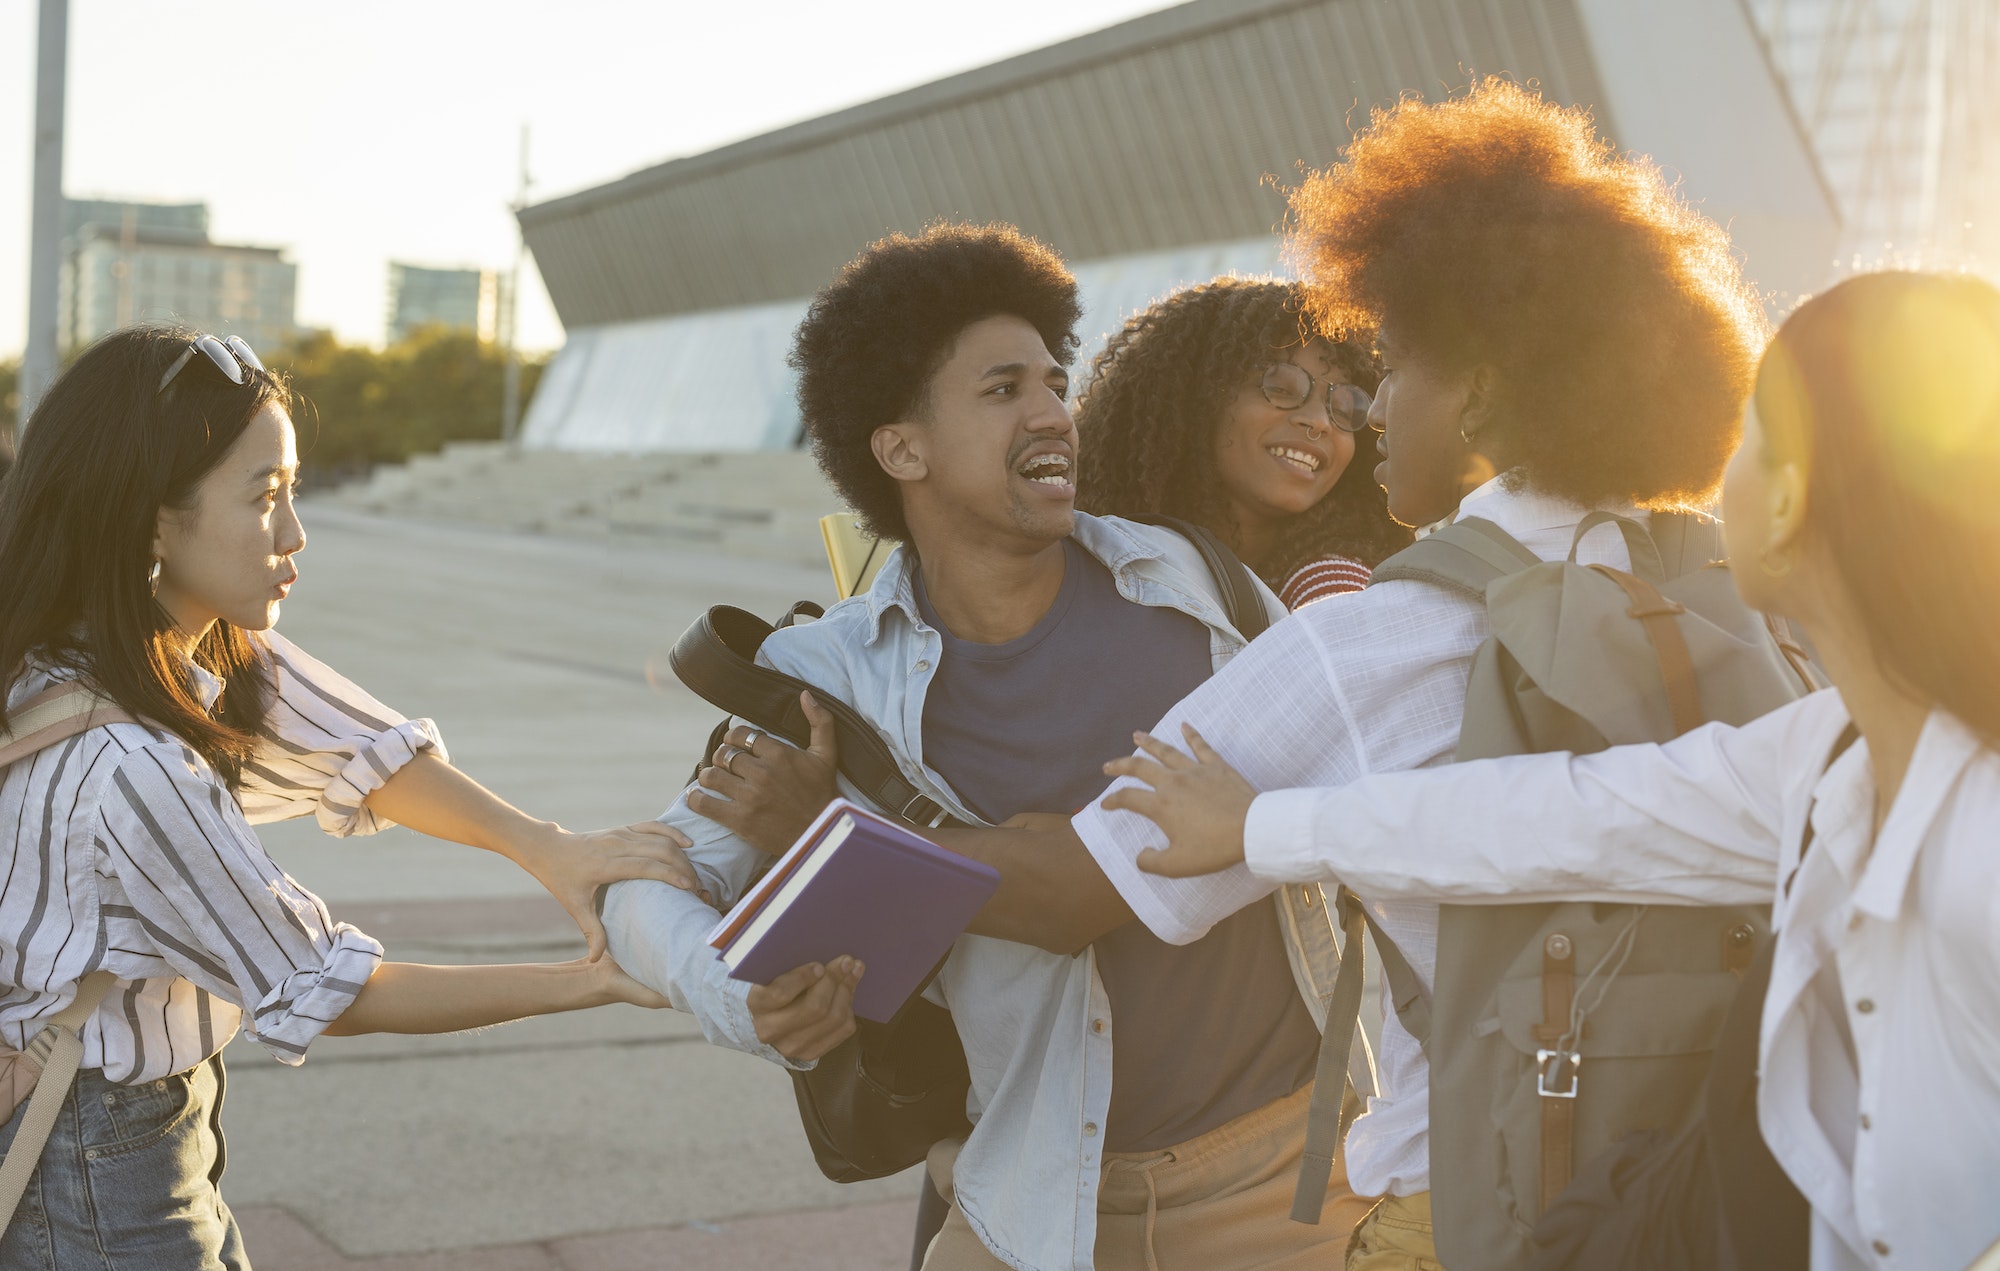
1785	520
900	449
1482	391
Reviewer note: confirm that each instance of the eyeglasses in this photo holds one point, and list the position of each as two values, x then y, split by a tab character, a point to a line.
1289	386
230	355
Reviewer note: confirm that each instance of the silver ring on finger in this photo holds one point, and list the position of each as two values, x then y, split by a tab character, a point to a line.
729	760
750	739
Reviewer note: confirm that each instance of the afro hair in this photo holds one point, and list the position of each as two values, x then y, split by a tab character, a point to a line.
1497	228
873	338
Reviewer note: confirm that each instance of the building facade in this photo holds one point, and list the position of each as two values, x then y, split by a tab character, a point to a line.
457	299
136	262
1152	154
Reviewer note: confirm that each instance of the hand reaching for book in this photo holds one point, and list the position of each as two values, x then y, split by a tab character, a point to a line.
808	1010
770	790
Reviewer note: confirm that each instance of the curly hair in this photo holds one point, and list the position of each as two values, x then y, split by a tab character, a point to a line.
1496	228
875	336
1160	390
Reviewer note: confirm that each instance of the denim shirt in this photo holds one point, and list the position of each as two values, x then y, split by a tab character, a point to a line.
1036	1025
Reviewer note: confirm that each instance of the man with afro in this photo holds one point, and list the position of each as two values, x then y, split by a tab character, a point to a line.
1135	1103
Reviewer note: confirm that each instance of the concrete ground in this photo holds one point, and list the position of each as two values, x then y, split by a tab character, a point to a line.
613	1138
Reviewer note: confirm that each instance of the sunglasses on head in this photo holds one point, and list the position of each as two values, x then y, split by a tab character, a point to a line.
229	354
1289	386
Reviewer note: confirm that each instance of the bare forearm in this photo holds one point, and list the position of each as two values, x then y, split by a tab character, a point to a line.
432	797
1052	894
408	997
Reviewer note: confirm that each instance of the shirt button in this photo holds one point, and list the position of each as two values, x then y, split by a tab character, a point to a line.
1090	1129
922	666
1866	1006
1881	1248
1866	1124
1097	1026
1854	922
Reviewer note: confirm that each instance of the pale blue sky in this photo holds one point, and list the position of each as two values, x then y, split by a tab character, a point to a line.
372	129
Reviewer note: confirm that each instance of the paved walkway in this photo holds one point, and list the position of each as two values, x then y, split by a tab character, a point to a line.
614	1138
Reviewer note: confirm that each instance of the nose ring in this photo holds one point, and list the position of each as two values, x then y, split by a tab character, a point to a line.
1312	433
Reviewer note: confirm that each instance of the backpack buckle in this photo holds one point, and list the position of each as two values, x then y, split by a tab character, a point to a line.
923	810
1557	1068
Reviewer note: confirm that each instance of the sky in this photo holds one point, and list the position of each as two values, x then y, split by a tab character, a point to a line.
372	130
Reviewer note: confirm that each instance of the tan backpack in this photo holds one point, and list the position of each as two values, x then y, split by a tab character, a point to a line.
43	1073
1554	1030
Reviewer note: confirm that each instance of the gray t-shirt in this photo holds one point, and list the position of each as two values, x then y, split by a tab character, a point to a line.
1205	1032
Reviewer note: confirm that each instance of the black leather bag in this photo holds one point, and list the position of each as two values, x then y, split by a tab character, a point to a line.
874	1105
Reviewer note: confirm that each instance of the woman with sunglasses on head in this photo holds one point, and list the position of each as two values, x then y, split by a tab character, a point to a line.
1226	406
148	538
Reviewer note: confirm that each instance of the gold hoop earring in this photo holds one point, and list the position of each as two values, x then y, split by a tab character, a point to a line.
1783	569
1465	435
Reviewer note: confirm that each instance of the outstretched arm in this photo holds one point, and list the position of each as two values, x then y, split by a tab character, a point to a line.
432	797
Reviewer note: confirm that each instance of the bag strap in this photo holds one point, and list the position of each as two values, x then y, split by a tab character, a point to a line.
1639	544
55	715
57	1050
1761	1219
1240	597
1656	614
717	658
1465	556
1330	1112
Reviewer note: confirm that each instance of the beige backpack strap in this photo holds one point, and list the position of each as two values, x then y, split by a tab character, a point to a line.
56	1050
56	715
1330	1111
46	719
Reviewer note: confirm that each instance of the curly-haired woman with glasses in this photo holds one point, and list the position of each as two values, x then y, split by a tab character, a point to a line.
1225	405
148	539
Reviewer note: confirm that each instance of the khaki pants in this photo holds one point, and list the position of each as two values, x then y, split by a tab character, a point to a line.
1395	1236
1220	1202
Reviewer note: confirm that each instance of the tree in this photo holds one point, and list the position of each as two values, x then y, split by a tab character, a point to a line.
359	408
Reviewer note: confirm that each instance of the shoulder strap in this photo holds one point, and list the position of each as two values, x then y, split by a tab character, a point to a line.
1240	597
56	1050
1761	1218
717	658
55	715
1465	556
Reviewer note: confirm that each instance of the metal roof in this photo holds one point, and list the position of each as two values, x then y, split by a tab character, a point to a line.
1157	133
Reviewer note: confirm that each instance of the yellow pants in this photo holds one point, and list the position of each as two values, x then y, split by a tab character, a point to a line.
1395	1236
1220	1202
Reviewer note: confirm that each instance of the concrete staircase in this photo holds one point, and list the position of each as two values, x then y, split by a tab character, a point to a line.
760	505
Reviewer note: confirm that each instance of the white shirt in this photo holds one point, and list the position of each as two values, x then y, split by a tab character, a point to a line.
1356	684
1880	1047
122	849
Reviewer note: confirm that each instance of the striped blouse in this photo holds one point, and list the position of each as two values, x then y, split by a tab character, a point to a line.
1318	579
122	849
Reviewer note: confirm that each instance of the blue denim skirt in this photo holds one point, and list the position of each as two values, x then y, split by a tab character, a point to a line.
128	1181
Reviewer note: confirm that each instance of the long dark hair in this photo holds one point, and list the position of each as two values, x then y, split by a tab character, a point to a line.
102	454
1888	387
1159	391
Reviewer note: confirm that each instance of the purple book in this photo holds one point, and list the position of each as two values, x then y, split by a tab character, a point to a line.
857	884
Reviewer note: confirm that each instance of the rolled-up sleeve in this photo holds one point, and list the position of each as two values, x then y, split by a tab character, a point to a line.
326	746
219	909
659	935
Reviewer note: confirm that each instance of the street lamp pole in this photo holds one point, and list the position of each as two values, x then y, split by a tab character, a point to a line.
510	400
38	361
